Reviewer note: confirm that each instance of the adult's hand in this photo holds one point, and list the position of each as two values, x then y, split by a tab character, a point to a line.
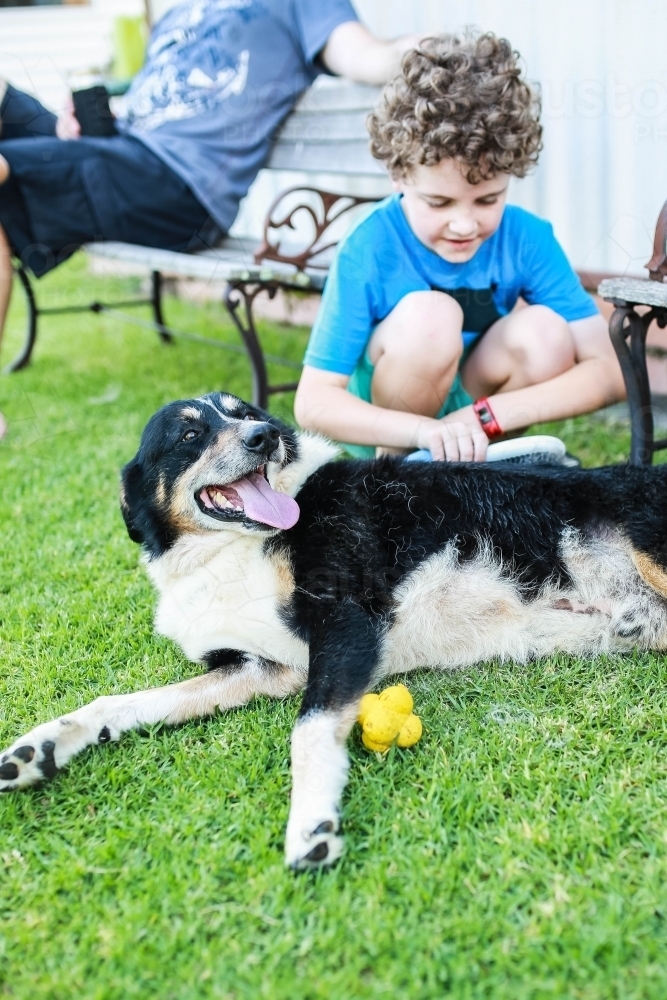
67	126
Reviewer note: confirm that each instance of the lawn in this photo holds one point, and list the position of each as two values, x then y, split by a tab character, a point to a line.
519	851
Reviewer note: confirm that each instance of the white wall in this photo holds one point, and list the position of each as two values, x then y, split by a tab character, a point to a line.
601	64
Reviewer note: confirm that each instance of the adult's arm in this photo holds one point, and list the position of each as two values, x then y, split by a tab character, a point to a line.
353	52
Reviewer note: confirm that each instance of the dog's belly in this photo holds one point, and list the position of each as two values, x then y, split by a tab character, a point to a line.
230	602
451	614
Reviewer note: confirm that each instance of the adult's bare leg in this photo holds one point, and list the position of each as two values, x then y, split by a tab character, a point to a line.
6	276
3	91
6	273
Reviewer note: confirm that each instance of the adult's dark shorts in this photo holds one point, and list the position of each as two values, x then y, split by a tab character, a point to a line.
63	193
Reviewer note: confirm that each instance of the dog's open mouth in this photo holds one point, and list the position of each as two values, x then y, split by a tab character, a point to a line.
250	497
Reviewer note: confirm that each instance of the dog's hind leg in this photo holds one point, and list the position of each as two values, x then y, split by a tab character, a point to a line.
43	751
344	652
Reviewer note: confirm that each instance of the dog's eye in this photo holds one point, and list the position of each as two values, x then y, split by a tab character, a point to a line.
189	435
249	416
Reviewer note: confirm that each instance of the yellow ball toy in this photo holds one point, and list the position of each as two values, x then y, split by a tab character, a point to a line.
388	718
398	699
411	732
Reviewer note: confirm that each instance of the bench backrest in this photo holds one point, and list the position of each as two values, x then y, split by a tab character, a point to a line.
326	134
326	131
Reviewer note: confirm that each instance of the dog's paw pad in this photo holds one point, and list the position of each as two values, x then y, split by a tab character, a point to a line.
9	771
319	853
25	764
47	763
629	626
328	826
322	846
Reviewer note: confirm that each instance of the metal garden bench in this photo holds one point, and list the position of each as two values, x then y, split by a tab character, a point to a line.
325	133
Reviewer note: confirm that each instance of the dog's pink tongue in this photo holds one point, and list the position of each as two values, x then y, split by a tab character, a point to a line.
261	503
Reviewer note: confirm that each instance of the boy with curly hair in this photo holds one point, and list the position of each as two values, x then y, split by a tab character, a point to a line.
419	342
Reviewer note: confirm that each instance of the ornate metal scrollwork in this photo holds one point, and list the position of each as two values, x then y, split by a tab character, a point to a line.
328	209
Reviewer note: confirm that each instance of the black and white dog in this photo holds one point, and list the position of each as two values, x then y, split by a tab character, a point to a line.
281	569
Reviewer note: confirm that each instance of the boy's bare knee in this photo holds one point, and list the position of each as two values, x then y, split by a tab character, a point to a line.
541	343
4	169
430	309
424	326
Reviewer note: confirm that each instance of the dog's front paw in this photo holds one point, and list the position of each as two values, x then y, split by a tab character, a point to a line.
29	760
313	845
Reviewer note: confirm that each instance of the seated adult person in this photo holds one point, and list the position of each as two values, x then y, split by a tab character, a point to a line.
196	128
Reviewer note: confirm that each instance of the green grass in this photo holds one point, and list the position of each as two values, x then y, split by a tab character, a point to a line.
519	851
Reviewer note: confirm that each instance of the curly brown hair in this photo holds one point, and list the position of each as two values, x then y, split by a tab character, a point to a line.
462	98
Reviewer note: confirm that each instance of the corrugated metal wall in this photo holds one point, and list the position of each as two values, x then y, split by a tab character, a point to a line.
600	63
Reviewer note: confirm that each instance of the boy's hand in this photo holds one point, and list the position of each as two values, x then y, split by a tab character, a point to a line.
458	437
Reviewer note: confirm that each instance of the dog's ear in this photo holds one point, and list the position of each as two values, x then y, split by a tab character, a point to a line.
145	523
132	502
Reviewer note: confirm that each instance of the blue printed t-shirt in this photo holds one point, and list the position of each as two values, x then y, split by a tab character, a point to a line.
220	76
381	261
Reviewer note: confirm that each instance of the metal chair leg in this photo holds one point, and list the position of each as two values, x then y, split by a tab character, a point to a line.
156	302
236	294
633	365
23	357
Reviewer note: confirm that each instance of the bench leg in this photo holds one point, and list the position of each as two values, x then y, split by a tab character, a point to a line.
23	357
156	302
624	323
235	295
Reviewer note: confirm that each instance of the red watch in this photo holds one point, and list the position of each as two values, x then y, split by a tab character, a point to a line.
487	419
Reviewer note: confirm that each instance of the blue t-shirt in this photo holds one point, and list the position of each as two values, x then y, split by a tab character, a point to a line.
219	78
381	261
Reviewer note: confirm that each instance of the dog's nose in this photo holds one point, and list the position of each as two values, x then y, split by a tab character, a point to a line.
262	438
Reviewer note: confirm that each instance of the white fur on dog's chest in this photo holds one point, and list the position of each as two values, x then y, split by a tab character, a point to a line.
218	592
